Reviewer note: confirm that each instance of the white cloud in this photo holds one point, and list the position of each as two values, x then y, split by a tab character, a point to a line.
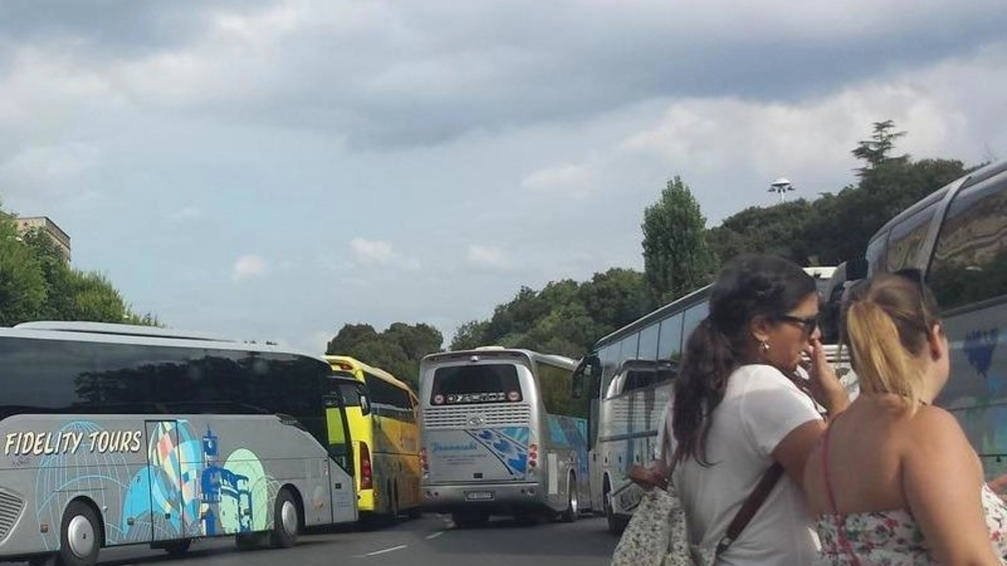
380	252
372	251
565	179
249	266
488	256
186	213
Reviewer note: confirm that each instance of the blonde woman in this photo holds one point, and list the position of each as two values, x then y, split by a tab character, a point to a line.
894	480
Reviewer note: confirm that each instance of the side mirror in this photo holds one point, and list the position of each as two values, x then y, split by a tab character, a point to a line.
577	382
856	269
365	404
583	375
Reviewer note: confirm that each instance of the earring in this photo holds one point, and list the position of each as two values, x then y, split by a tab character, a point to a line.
765	346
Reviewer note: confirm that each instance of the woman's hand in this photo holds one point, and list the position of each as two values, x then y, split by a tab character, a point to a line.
656	475
826	388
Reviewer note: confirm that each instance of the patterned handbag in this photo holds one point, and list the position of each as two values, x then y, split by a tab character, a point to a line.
656	534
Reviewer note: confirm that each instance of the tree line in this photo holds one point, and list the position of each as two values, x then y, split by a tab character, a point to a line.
681	255
565	317
37	283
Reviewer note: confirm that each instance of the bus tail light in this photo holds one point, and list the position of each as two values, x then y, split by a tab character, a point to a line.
423	461
533	456
366	472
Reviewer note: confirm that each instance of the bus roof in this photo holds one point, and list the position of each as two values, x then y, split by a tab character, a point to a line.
118	329
94	333
692	298
823	273
357	364
977	176
498	351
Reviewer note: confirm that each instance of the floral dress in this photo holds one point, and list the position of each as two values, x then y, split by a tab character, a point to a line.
890	538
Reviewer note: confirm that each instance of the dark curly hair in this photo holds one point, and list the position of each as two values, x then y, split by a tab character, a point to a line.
748	286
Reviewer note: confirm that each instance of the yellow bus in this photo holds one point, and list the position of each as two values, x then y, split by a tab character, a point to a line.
386	442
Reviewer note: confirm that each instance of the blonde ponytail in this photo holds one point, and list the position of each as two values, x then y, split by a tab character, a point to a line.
879	354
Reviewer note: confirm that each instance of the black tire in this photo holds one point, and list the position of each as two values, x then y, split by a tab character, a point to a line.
470	519
616	524
248	541
415	513
572	512
80	536
286	520
393	503
178	547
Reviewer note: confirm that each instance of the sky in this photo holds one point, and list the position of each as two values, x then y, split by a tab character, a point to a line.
275	169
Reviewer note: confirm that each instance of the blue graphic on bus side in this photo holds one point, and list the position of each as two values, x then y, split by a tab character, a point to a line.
509	445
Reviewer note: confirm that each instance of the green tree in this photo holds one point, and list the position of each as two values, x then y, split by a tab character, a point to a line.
22	284
471	334
777	229
397	350
875	150
677	258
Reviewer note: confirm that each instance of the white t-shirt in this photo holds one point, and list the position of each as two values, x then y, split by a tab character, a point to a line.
760	408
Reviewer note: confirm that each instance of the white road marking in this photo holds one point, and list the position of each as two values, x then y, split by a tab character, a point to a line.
387	550
435	535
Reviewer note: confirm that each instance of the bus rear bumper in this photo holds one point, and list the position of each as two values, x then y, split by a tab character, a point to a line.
501	497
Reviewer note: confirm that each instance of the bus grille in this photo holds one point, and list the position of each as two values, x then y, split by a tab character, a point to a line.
476	416
10	510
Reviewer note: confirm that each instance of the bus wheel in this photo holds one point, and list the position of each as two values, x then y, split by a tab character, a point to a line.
572	512
80	536
286	520
393	503
615	524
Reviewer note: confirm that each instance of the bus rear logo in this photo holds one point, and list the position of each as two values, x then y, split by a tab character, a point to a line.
477	420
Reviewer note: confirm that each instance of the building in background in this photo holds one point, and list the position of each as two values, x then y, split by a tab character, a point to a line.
43	223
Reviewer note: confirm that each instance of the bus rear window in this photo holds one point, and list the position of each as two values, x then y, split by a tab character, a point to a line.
489	383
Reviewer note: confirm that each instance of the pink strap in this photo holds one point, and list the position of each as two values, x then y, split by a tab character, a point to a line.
828	476
840	518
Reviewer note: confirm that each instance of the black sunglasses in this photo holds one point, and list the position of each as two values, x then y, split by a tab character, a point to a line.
809	324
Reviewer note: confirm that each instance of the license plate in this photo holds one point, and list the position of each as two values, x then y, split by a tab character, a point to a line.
478	495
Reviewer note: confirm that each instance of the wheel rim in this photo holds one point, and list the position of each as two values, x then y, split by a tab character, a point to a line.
573	499
80	536
288	515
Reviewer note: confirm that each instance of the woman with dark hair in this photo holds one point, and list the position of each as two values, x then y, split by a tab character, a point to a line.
742	406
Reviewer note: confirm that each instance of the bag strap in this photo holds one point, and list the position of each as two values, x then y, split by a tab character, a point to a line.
751	506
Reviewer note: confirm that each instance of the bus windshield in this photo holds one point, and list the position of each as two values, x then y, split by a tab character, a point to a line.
488	383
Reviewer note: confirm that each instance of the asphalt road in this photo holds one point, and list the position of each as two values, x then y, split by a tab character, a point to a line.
431	540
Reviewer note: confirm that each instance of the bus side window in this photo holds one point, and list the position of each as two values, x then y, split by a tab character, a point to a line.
875	253
970	258
906	238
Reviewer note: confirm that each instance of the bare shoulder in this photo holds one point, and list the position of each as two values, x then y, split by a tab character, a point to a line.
934	432
934	424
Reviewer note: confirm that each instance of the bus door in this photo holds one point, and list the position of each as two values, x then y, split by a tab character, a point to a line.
165	480
343	395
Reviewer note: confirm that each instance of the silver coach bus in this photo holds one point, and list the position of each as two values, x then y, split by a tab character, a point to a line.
957	239
500	436
117	435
